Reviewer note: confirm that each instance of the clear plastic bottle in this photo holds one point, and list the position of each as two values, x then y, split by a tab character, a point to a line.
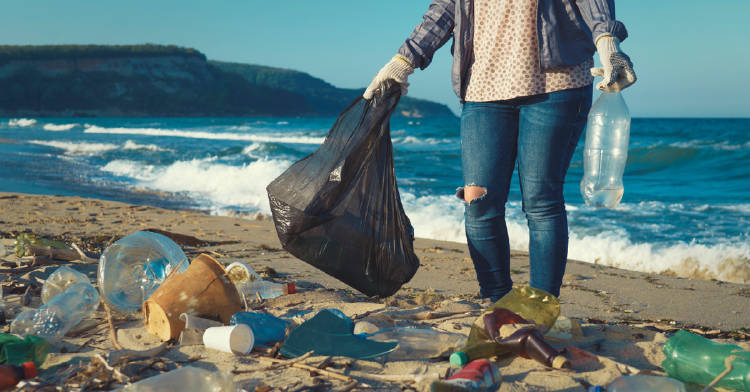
641	383
63	312
133	267
606	151
419	343
186	379
265	289
59	281
693	358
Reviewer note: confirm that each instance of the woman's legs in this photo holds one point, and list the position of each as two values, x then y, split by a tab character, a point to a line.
489	131
550	126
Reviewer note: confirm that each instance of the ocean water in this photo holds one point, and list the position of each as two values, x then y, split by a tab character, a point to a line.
686	208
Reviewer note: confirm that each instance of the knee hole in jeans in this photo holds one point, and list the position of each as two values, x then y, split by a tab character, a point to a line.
471	193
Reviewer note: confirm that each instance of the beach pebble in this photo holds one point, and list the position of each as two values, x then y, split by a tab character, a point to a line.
365	327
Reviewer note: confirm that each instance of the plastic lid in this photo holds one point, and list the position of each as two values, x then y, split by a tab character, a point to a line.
459	358
29	370
291	288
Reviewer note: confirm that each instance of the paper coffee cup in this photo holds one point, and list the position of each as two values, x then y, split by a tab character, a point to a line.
237	339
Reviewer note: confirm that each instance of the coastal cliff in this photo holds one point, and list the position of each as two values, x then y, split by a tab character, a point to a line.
155	80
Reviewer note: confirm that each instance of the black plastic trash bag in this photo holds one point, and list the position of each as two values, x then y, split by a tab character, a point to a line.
339	209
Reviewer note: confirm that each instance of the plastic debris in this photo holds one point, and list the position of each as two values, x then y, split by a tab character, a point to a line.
236	339
201	290
59	281
692	358
185	379
266	328
328	334
132	268
10	375
640	383
16	351
419	343
195	326
63	312
478	376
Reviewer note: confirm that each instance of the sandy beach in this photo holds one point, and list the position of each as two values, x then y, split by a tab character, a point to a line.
633	312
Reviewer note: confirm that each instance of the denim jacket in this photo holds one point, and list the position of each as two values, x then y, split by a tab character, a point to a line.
566	30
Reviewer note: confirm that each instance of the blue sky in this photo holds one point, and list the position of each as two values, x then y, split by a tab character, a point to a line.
692	57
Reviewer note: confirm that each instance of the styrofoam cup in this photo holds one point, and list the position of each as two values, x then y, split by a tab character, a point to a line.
237	339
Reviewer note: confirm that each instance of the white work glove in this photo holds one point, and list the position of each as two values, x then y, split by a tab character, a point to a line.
616	69
397	69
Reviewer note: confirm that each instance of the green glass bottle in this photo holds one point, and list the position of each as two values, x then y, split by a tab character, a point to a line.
692	358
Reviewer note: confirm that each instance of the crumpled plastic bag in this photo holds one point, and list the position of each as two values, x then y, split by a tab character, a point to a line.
339	208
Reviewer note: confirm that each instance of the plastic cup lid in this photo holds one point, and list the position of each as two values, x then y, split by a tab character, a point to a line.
458	358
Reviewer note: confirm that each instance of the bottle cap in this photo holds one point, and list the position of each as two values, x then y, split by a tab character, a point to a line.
290	288
29	370
459	358
560	362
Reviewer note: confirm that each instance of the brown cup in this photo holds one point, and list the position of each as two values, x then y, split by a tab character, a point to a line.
202	290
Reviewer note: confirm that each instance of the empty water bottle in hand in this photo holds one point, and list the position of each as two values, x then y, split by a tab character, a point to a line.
606	151
132	268
63	312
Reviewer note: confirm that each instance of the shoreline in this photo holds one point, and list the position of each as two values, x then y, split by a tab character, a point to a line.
589	290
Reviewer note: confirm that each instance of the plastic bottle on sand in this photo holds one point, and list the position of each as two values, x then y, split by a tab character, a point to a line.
59	281
63	312
419	343
606	151
185	379
10	375
248	282
640	383
133	267
478	376
693	358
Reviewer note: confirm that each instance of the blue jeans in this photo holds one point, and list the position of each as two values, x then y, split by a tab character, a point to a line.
540	132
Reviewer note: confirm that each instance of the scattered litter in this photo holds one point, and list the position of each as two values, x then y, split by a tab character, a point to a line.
62	278
328	334
237	339
266	328
63	312
202	289
185	379
132	268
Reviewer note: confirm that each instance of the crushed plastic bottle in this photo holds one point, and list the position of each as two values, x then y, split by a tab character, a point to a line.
132	268
606	151
640	383
59	281
63	312
266	328
693	358
478	376
186	379
419	343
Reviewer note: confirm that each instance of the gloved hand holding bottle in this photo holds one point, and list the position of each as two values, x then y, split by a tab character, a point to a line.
617	69
397	69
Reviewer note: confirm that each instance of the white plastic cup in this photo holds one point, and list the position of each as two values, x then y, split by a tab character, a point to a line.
194	329
233	339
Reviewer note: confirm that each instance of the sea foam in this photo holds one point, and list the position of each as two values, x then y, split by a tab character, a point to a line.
21	122
264	138
59	127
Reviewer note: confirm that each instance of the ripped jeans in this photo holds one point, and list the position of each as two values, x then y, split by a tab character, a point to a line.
541	133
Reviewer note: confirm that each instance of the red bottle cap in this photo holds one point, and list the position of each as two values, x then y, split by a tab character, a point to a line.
29	370
291	288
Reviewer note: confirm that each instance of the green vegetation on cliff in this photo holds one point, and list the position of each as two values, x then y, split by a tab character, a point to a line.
156	80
